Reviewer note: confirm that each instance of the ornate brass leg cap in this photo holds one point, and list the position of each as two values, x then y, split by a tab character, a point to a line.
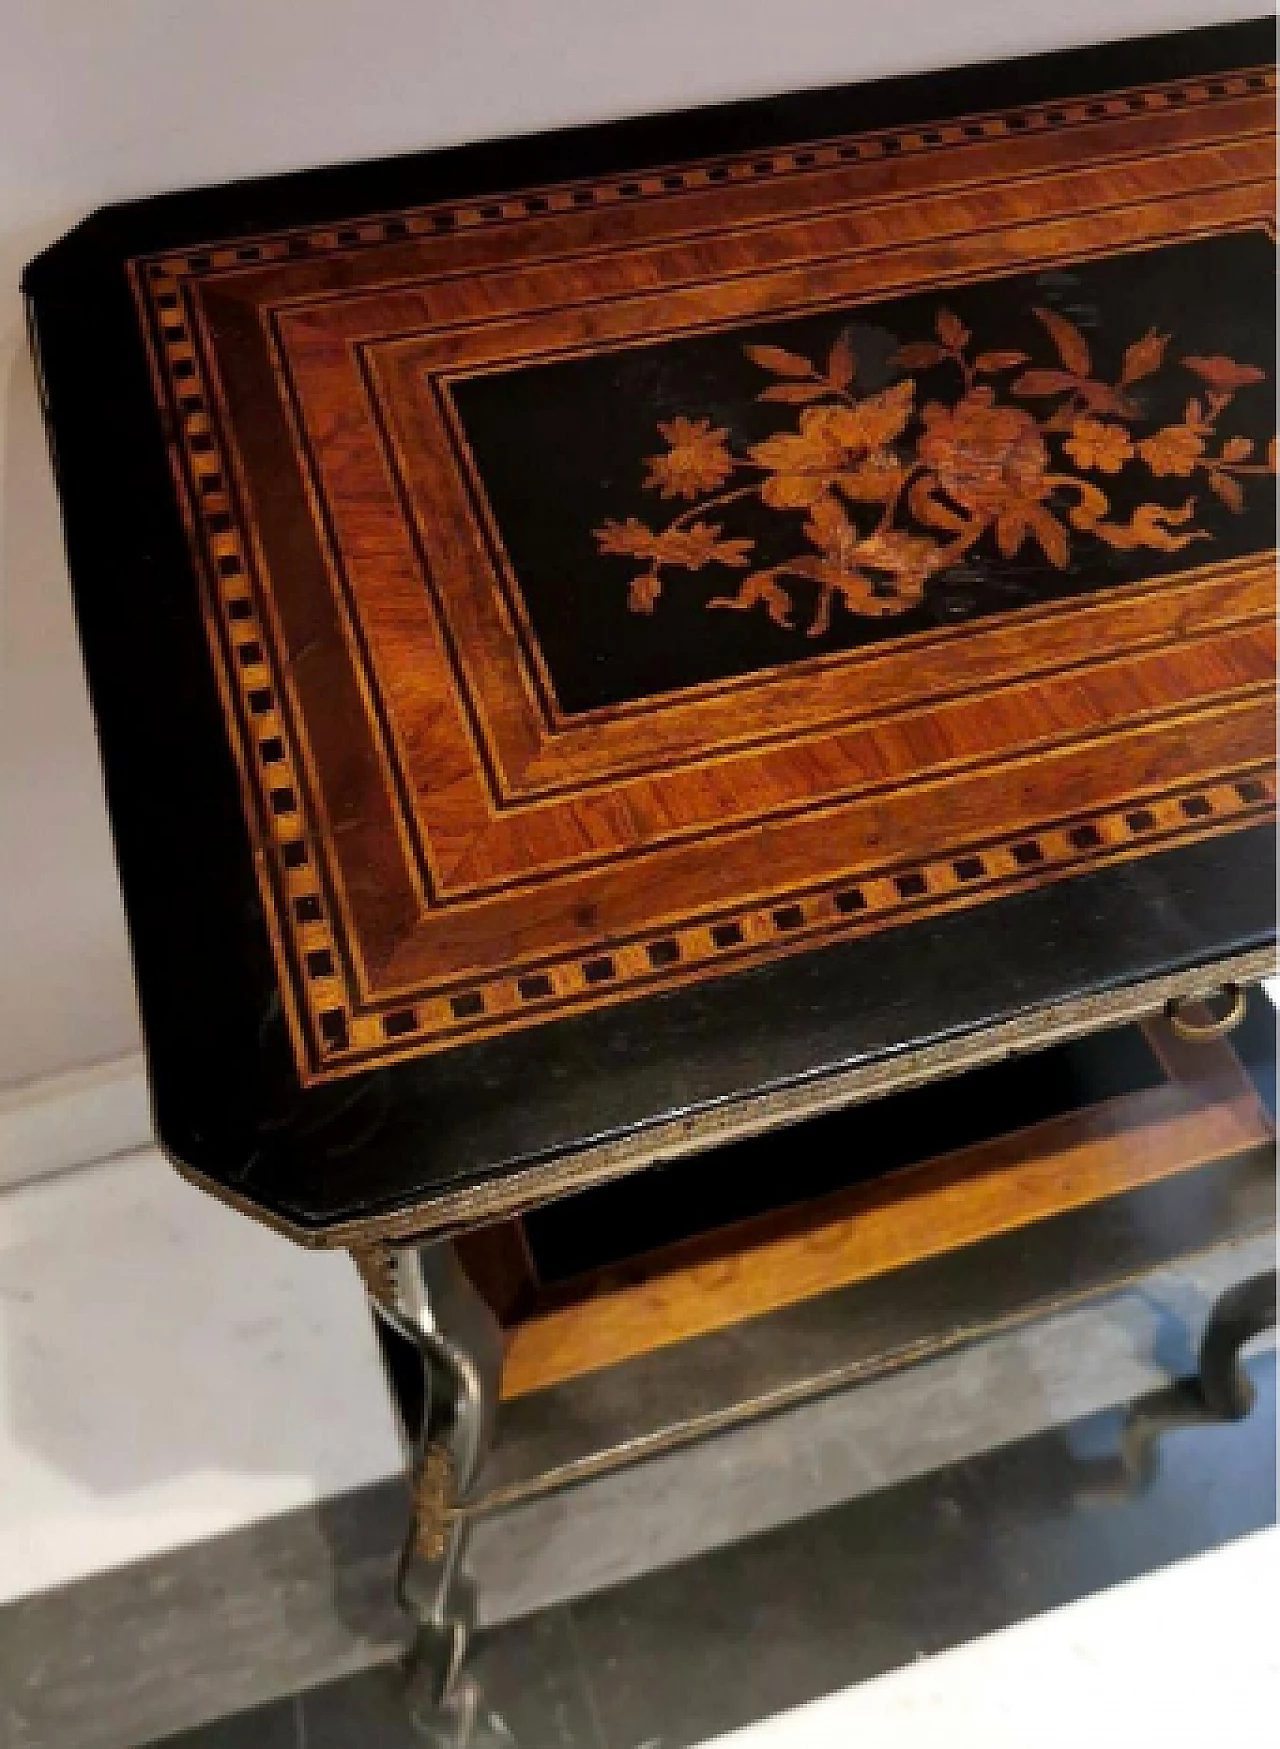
433	1491
377	1267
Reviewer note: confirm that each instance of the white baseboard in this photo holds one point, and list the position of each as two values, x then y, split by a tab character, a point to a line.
72	1119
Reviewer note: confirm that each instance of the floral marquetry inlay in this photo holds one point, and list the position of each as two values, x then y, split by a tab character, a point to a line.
968	447
619	584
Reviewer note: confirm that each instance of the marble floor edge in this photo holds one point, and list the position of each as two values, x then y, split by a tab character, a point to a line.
754	1629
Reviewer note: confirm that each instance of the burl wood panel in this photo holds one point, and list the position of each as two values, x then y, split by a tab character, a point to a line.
622	583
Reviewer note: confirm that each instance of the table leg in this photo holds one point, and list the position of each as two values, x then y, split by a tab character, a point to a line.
444	1352
1244	1311
1221	1392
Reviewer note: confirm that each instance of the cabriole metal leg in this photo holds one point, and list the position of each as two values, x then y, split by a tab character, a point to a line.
443	1348
1243	1312
1222	1391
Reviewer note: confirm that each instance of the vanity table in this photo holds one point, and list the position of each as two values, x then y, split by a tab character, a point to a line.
687	711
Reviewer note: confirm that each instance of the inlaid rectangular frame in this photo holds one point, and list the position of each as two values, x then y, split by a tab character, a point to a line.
444	854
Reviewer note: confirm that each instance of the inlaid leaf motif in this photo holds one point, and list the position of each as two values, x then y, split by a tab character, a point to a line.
778	360
951	330
1143	357
830	529
1051	535
1073	349
991	362
884	493
795	394
1044	382
642	597
1224	373
920	354
841	363
931	510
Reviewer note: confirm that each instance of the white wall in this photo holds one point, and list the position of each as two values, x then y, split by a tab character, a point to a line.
101	100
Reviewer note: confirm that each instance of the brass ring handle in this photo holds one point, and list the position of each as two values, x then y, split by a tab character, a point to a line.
1198	1032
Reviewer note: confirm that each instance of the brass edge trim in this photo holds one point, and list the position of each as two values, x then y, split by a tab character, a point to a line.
516	1193
520	1191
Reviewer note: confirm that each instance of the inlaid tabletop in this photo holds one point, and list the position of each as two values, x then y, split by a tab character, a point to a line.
611	640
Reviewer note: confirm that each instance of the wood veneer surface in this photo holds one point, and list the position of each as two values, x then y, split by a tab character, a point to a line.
1208	1109
582	630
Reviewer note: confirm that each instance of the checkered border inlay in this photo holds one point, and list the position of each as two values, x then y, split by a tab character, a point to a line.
342	1036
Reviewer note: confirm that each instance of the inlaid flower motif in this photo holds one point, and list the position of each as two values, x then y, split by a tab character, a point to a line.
876	478
985	456
905	558
884	493
695	461
834	446
1175	450
1094	443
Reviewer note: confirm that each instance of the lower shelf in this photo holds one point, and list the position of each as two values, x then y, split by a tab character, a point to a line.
772	1223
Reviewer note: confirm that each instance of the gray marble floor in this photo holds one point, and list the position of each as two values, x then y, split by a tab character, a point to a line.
746	1631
